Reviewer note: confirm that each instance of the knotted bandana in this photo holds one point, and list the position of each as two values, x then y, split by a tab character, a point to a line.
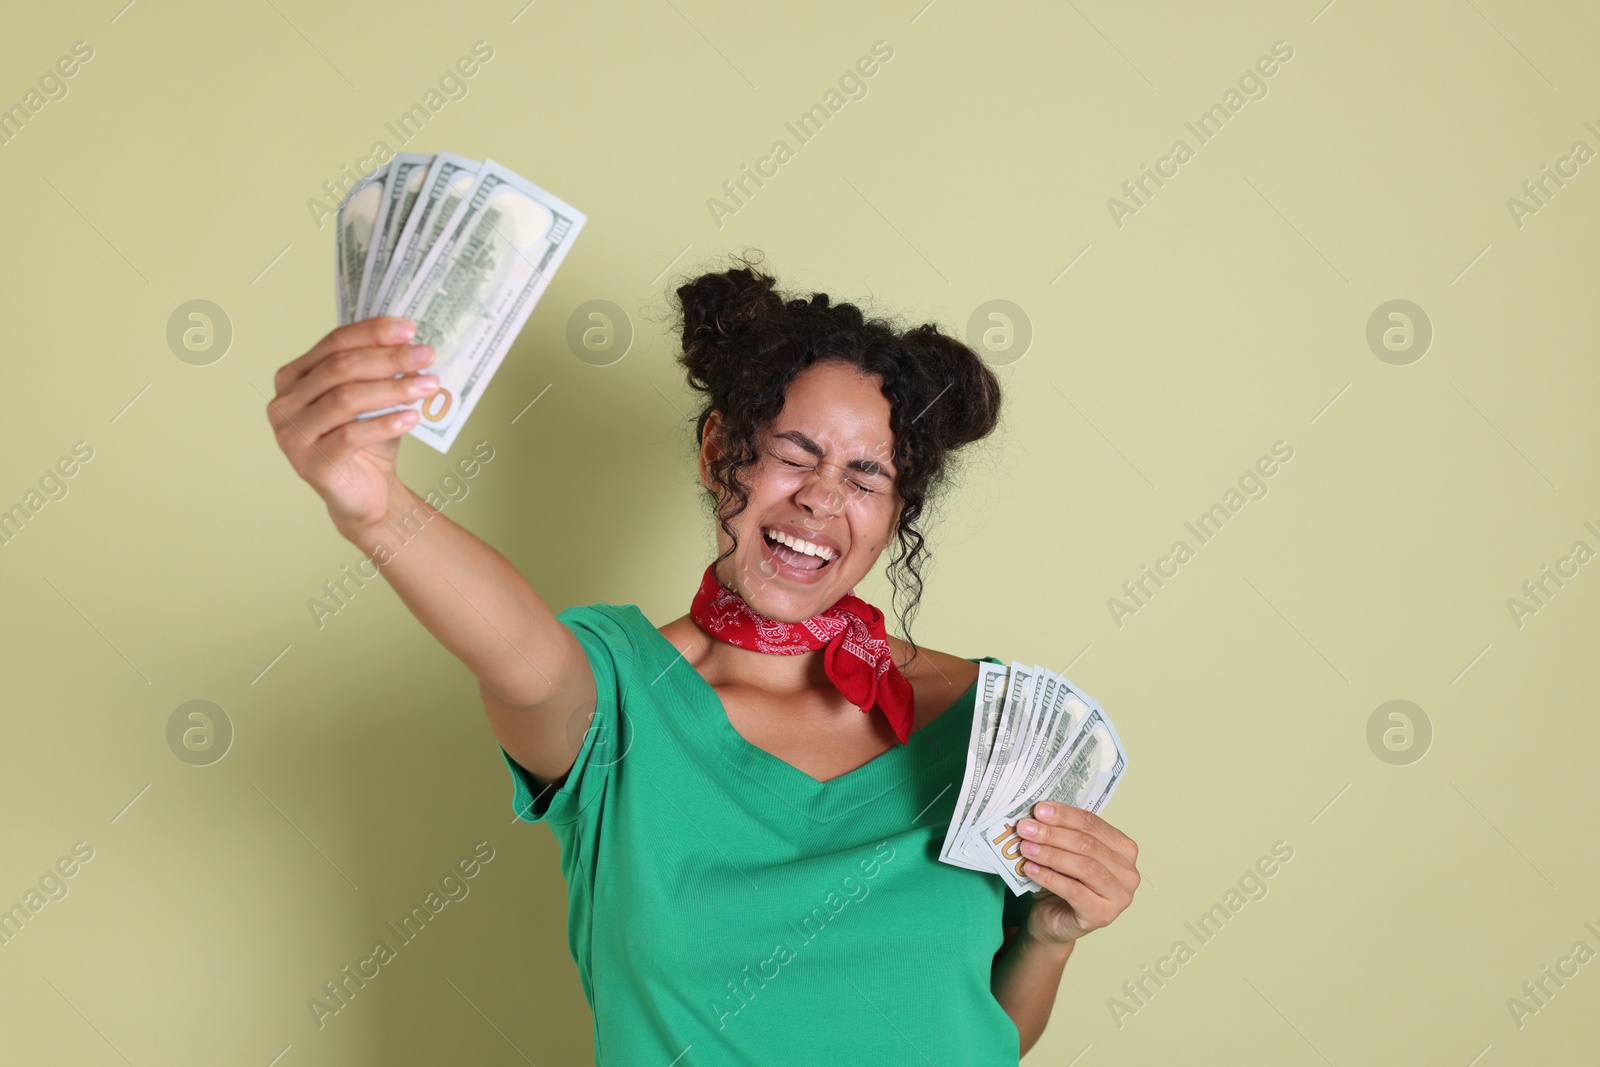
856	647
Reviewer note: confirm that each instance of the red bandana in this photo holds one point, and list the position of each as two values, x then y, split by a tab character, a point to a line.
856	647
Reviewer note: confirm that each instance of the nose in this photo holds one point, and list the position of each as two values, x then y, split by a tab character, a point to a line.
823	491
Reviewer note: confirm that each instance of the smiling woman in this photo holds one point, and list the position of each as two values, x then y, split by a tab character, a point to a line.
713	781
844	425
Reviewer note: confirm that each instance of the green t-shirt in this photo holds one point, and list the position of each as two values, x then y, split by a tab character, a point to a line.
727	908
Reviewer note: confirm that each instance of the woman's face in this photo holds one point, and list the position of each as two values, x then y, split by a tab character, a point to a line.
826	476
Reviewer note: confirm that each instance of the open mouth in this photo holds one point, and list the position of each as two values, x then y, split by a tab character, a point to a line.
796	553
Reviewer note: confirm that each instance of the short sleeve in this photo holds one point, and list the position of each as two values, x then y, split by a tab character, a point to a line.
611	654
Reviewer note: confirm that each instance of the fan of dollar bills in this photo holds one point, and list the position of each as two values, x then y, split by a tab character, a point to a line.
462	248
1035	736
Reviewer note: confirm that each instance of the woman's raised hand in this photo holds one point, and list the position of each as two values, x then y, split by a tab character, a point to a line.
349	372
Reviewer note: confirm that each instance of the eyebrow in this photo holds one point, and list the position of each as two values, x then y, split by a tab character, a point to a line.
865	466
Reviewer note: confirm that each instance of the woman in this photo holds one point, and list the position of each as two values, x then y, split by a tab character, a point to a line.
752	863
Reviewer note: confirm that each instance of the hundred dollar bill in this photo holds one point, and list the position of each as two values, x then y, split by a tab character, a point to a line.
1003	758
400	189
353	227
990	698
1019	688
1064	712
477	287
1033	713
1056	727
1084	775
443	189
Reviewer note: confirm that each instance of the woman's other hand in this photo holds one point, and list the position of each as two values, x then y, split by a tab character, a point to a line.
1086	869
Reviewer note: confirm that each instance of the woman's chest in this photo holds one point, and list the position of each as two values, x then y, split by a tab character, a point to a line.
824	735
707	846
701	902
820	737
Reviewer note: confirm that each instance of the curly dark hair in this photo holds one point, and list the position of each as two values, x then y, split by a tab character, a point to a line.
743	343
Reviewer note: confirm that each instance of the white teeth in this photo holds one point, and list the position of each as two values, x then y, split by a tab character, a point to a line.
801	546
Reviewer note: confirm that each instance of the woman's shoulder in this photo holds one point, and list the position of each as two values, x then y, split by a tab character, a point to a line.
931	662
938	679
622	628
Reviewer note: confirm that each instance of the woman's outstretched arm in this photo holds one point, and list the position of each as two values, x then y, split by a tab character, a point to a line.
530	667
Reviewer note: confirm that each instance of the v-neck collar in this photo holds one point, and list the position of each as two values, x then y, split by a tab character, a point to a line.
927	746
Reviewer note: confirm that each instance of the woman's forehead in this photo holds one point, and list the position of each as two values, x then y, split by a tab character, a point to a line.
837	400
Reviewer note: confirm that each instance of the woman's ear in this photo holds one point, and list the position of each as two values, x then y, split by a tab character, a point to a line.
710	449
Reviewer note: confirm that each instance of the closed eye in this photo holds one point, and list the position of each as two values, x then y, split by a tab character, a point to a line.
807	466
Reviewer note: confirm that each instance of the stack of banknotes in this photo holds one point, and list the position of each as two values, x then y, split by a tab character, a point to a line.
462	248
1035	736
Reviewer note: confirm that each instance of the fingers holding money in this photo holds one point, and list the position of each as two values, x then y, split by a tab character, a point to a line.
1057	819
1083	860
353	382
368	333
344	402
1079	853
1056	862
1076	879
350	438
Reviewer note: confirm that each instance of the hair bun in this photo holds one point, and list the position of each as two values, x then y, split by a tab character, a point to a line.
719	311
968	409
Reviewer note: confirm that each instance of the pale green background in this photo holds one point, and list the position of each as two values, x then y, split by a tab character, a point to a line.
1224	316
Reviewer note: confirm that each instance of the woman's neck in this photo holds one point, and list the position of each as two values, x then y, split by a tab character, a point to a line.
725	665
722	664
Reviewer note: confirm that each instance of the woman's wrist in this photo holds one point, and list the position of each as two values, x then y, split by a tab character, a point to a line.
1044	948
366	533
